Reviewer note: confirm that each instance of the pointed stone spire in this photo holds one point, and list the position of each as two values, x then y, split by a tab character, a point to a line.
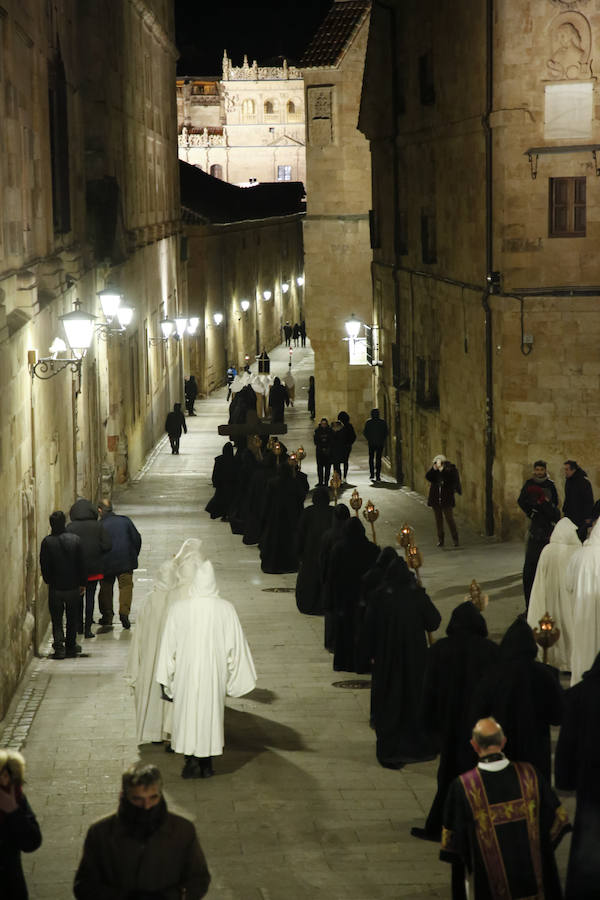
225	66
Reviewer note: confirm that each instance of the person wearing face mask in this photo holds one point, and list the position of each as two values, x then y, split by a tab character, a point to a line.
19	830
143	851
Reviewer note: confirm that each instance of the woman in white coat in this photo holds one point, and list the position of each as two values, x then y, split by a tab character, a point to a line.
203	658
552	593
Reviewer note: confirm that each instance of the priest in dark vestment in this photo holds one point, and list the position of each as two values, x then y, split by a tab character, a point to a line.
577	768
351	557
339	517
283	505
401	617
454	666
523	694
314	522
502	822
225	481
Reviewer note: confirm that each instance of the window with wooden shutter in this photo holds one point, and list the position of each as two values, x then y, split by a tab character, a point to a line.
567	207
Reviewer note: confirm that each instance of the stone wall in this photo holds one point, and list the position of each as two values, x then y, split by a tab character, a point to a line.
336	230
235	262
90	199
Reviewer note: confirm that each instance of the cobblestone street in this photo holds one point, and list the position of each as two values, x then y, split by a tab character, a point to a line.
299	806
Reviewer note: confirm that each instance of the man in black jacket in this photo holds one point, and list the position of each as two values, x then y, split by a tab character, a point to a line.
376	432
539	501
142	852
96	542
63	569
579	497
119	564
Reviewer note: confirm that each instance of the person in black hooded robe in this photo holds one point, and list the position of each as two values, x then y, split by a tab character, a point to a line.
372	582
314	522
248	460
524	696
256	498
283	504
454	666
351	557
577	768
224	479
339	517
401	616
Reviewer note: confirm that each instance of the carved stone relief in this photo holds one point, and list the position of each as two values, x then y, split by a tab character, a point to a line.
570	47
569	4
320	119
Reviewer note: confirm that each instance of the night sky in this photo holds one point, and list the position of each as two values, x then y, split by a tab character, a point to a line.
264	31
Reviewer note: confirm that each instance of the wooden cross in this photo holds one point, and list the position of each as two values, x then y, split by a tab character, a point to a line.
253	425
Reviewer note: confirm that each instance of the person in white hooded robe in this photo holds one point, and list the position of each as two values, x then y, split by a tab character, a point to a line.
552	593
203	658
583	578
152	713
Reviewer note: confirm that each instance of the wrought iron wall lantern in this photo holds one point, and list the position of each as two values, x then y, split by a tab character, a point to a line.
110	301
371	338
79	330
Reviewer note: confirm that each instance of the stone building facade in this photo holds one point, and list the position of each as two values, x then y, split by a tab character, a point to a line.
246	127
484	131
245	266
88	177
336	229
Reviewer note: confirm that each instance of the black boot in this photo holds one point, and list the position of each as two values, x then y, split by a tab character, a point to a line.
191	768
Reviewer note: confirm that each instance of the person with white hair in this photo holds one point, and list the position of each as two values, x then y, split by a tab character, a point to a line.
552	593
204	657
19	829
444	483
152	713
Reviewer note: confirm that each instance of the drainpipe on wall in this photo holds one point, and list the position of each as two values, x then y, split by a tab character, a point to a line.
489	260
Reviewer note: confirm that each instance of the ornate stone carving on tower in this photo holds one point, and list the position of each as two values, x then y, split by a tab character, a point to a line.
569	4
570	46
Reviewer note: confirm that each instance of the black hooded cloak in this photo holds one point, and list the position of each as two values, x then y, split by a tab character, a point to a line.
283	504
225	480
314	522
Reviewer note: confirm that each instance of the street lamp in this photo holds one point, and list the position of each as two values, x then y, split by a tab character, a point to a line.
110	301
79	331
181	324
285	287
352	327
300	280
267	295
218	318
193	326
245	305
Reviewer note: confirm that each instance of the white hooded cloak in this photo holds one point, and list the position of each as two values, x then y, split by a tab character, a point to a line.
203	658
583	577
551	592
153	715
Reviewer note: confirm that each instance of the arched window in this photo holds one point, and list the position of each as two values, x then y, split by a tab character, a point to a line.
269	108
216	171
248	110
291	108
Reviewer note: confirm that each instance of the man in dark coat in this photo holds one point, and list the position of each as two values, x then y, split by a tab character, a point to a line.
351	557
322	438
303	333
577	768
454	666
524	695
95	541
278	399
174	425
375	432
120	562
579	498
314	522
444	483
283	505
349	436
296	333
191	392
19	829
143	850
339	517
287	334
225	481
401	616
502	823
543	512
63	569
